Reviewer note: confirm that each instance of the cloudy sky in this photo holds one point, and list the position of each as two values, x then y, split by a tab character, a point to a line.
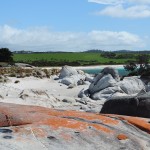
75	25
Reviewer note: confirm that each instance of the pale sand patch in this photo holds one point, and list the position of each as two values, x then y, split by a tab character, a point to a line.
41	92
88	67
98	67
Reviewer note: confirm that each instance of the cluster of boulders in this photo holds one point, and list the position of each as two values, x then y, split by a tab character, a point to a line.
129	96
123	96
71	77
107	84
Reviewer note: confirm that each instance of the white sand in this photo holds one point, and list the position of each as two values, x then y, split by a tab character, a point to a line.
47	92
98	67
44	92
89	67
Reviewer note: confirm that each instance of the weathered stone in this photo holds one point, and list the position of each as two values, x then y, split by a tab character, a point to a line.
70	86
69	80
72	79
83	93
69	100
67	71
131	85
80	82
101	83
106	93
29	127
131	106
80	72
112	71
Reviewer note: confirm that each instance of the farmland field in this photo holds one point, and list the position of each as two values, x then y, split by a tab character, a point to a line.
58	59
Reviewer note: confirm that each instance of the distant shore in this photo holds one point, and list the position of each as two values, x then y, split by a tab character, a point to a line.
89	67
98	67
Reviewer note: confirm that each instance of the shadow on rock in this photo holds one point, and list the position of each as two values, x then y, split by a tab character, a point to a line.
131	106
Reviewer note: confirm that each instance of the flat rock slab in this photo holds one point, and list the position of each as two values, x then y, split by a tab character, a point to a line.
30	127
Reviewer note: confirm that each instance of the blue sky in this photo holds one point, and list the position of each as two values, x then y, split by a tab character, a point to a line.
75	25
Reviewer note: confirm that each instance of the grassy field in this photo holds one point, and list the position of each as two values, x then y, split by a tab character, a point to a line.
59	59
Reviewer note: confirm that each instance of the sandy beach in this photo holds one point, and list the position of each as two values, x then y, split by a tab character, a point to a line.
40	112
45	92
89	67
49	92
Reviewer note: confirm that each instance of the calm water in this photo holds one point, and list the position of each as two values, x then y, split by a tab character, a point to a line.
121	71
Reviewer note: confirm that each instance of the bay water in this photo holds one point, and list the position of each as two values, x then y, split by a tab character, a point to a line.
121	71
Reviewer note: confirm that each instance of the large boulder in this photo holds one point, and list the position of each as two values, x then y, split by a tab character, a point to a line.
131	85
106	93
131	106
67	71
112	71
37	128
101	82
107	84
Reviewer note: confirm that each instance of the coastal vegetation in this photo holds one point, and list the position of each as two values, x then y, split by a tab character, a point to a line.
91	57
140	66
76	58
6	55
70	58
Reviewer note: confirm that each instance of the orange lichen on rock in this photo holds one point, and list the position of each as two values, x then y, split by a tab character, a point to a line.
16	115
101	128
122	137
57	123
90	116
141	123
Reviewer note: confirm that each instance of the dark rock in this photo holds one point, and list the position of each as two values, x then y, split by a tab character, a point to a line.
7	137
131	106
5	131
51	138
112	71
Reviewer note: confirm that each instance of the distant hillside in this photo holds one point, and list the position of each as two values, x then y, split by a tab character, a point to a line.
88	51
119	51
94	51
129	51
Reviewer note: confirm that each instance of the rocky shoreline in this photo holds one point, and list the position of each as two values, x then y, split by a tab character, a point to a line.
67	90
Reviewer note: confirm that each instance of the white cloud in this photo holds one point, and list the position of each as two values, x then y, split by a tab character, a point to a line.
139	1
107	2
116	2
42	39
141	11
124	8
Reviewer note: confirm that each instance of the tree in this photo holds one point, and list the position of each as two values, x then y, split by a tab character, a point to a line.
140	67
131	66
6	55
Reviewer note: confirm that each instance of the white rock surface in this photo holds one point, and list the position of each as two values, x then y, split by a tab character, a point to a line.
102	83
67	71
131	85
